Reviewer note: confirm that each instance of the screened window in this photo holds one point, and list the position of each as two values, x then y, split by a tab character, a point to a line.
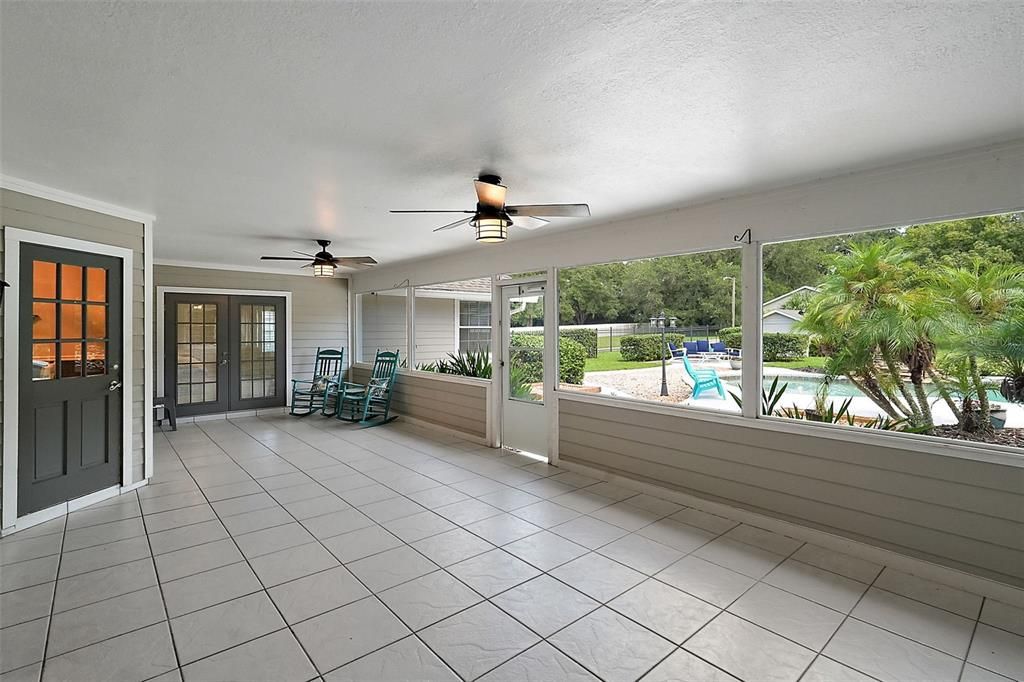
383	315
913	330
655	329
452	323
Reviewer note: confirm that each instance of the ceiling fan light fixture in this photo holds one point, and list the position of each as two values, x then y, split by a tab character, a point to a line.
491	229
323	269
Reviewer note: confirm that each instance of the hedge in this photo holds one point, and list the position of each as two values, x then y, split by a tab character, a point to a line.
530	362
646	347
585	337
777	345
732	337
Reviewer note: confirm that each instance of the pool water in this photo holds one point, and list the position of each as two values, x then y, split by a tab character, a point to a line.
842	388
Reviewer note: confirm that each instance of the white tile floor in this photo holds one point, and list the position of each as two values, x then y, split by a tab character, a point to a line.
285	549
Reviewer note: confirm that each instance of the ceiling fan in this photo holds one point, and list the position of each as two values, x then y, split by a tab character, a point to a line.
493	216
323	263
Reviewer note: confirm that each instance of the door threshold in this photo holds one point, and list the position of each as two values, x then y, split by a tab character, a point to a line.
62	508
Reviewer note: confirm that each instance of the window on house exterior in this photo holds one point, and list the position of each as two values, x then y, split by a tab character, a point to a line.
452	327
475	326
612	319
916	330
383	317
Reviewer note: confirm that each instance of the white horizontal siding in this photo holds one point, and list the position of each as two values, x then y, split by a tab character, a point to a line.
962	513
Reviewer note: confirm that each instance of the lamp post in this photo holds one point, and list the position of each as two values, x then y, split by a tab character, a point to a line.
733	299
660	322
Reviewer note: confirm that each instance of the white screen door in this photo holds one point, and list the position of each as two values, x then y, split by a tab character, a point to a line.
524	418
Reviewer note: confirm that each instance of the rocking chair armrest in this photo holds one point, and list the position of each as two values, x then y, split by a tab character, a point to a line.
349	384
295	382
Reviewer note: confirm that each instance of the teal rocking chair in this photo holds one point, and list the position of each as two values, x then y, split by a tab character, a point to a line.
370	403
316	394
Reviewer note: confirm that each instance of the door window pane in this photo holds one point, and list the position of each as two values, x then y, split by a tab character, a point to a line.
44	361
96	285
71	282
70	321
96	358
70	360
96	321
197	313
44	279
44	320
526	347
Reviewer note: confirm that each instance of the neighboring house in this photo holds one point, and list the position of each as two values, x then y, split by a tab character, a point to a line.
778	316
450	317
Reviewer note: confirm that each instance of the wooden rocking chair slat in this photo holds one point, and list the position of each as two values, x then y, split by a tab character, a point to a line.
318	394
370	403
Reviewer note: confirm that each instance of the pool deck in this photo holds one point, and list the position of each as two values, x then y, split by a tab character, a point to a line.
651	376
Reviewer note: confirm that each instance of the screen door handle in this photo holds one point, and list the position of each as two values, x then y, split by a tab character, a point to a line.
113	385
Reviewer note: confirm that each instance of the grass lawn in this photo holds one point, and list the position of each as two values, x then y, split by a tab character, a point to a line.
812	361
608	361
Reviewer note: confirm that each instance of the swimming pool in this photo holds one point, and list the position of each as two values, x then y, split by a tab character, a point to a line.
841	387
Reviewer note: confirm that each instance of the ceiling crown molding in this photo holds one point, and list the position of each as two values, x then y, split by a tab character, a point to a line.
53	194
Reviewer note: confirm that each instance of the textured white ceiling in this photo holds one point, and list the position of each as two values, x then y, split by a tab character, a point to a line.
247	127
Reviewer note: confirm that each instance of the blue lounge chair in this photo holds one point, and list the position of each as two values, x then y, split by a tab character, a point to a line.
704	379
718	347
690	347
675	351
703	346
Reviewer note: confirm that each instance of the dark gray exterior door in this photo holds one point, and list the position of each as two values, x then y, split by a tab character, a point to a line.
69	389
224	353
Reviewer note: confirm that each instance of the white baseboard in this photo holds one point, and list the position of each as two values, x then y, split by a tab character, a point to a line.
58	510
961	580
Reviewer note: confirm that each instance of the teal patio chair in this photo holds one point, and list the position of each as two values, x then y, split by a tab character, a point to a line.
311	395
370	403
704	379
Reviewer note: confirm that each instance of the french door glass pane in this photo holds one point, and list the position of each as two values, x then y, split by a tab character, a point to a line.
197	353
44	279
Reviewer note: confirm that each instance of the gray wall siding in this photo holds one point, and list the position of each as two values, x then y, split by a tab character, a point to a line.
384	326
453	405
319	306
962	513
437	328
50	217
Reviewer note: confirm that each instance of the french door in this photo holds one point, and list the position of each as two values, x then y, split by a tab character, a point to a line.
69	387
224	353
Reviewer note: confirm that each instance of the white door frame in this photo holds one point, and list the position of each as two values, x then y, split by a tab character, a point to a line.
13	239
161	293
550	357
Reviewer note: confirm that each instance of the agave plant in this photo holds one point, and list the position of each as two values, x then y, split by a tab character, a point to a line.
465	364
770	397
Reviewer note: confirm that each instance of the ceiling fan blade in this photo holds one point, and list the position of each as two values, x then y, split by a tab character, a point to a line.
303	253
528	222
490	194
451	225
551	210
281	258
430	210
355	260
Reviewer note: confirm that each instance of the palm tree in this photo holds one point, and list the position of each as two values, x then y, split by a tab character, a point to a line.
973	299
873	310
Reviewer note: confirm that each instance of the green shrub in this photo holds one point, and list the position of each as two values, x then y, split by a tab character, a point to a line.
784	346
585	337
646	347
528	358
777	345
732	337
572	358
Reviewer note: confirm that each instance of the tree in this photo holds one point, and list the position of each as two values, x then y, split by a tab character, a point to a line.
877	318
589	293
972	300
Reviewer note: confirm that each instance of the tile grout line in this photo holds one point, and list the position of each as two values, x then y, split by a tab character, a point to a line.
53	598
264	590
847	617
970	642
163	600
371	594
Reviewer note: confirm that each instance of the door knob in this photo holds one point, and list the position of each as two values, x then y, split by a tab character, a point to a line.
113	385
